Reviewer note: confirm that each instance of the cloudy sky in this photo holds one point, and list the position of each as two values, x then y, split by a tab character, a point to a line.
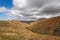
29	10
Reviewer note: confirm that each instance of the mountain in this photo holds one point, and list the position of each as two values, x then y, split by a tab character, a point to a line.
50	26
12	23
11	26
16	30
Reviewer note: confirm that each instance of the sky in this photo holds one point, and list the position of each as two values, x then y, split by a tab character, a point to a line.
28	10
5	4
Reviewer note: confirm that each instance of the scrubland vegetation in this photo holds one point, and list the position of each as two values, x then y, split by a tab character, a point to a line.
45	29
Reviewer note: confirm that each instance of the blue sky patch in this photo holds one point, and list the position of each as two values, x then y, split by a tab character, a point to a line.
6	4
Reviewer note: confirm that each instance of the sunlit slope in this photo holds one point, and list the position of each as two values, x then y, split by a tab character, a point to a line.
16	30
49	26
11	26
25	34
11	23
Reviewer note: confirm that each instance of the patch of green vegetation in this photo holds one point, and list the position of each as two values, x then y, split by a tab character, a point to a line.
4	37
57	31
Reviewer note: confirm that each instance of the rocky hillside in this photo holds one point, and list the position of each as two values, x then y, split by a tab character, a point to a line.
39	30
47	26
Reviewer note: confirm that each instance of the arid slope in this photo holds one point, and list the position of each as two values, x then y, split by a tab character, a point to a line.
16	30
49	26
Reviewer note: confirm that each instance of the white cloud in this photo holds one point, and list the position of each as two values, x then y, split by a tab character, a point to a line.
3	9
7	13
29	10
19	3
